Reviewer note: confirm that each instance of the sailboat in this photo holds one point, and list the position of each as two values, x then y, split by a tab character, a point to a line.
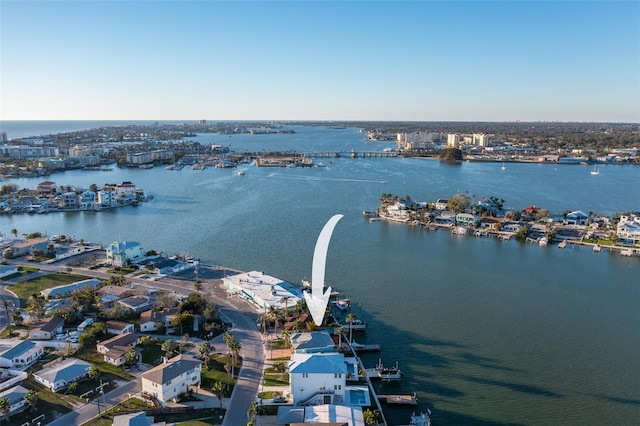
595	170
503	167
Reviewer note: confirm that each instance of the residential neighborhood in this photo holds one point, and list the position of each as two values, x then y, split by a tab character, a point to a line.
85	326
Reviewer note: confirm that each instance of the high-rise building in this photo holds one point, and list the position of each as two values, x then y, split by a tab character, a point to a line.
3	137
480	139
453	140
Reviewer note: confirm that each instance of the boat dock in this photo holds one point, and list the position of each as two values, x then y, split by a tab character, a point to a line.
358	347
399	399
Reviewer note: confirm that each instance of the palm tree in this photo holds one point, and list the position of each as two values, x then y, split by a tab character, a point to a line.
205	350
218	390
7	307
273	312
5	406
14	231
285	299
17	318
32	399
350	319
169	347
252	413
287	337
338	329
94	373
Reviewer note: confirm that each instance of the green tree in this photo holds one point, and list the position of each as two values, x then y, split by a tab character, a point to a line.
252	413
218	390
14	231
17	318
5	406
350	319
94	373
458	203
371	417
73	387
35	306
205	350
32	399
131	357
169	347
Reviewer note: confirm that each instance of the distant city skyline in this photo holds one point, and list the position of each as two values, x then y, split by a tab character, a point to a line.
324	60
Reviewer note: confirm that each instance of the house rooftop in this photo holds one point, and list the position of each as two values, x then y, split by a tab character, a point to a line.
49	325
173	368
67	370
17	350
318	363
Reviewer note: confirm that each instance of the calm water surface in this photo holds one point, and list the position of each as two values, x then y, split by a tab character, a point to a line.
486	332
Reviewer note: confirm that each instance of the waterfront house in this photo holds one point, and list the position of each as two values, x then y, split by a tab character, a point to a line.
46	187
529	213
313	342
125	189
441	204
69	200
6	270
20	356
576	218
466	219
47	329
119	327
318	378
628	232
27	247
88	200
136	304
397	212
15	395
64	252
107	197
62	374
512	226
114	349
66	290
262	290
490	223
172	378
124	253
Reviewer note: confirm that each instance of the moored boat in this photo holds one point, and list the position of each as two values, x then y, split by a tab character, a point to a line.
386	374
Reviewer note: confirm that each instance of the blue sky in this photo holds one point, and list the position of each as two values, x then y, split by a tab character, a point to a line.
328	60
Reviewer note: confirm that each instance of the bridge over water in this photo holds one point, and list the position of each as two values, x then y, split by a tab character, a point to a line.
352	154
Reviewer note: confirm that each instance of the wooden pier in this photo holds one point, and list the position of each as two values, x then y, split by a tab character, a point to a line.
399	399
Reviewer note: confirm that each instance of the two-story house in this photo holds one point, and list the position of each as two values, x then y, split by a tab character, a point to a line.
123	253
317	378
172	378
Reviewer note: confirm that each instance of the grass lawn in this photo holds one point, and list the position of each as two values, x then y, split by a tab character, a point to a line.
152	353
217	373
90	354
25	289
276	379
50	404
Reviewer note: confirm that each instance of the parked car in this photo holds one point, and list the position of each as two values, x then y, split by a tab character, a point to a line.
279	399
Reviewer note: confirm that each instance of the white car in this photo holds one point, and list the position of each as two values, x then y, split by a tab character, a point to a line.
60	336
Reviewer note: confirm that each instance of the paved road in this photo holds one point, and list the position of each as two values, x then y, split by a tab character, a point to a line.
253	355
88	411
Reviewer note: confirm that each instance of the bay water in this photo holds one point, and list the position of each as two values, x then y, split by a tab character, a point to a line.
486	331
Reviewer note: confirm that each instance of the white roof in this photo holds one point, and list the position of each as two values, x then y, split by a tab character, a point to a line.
256	285
329	413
